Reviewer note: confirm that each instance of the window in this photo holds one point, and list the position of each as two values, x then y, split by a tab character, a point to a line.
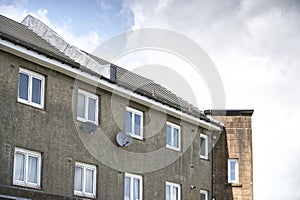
173	136
172	191
31	88
233	171
203	195
85	180
134	123
203	146
27	168
87	107
133	187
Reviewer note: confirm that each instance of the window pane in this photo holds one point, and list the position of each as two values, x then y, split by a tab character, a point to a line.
175	193
128	122
137	124
78	178
127	188
175	137
136	189
168	192
36	90
23	86
81	106
168	135
232	170
203	146
92	109
32	169
19	166
202	196
89	181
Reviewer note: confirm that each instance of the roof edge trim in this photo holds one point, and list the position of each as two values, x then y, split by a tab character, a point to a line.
229	112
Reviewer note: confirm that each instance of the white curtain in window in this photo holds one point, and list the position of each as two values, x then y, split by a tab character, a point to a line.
89	176
168	135
137	124
19	166
92	109
175	193
168	192
81	106
136	188
127	188
32	169
78	178
128	122
175	137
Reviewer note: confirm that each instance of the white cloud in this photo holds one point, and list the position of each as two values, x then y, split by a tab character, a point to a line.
86	42
256	46
104	5
15	12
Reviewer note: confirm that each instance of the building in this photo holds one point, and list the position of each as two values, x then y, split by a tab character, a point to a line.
74	126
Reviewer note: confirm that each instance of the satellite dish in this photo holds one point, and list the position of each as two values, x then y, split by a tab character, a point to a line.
89	127
123	139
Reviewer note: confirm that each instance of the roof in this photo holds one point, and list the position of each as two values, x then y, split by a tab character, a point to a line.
20	34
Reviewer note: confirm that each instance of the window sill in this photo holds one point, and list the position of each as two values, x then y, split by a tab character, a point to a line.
235	184
41	108
28	186
204	158
173	148
82	120
78	194
136	137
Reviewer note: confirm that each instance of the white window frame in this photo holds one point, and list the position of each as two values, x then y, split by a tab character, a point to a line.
31	75
205	137
141	114
132	176
236	170
172	185
85	167
172	146
87	96
28	153
205	192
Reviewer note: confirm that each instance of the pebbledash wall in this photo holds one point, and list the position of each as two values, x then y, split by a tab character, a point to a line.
54	132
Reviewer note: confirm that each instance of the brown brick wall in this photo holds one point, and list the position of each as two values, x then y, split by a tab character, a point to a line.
236	142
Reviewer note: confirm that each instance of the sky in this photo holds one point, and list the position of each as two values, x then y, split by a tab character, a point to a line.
254	44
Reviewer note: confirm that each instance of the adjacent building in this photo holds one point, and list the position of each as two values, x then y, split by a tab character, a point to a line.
74	126
233	175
